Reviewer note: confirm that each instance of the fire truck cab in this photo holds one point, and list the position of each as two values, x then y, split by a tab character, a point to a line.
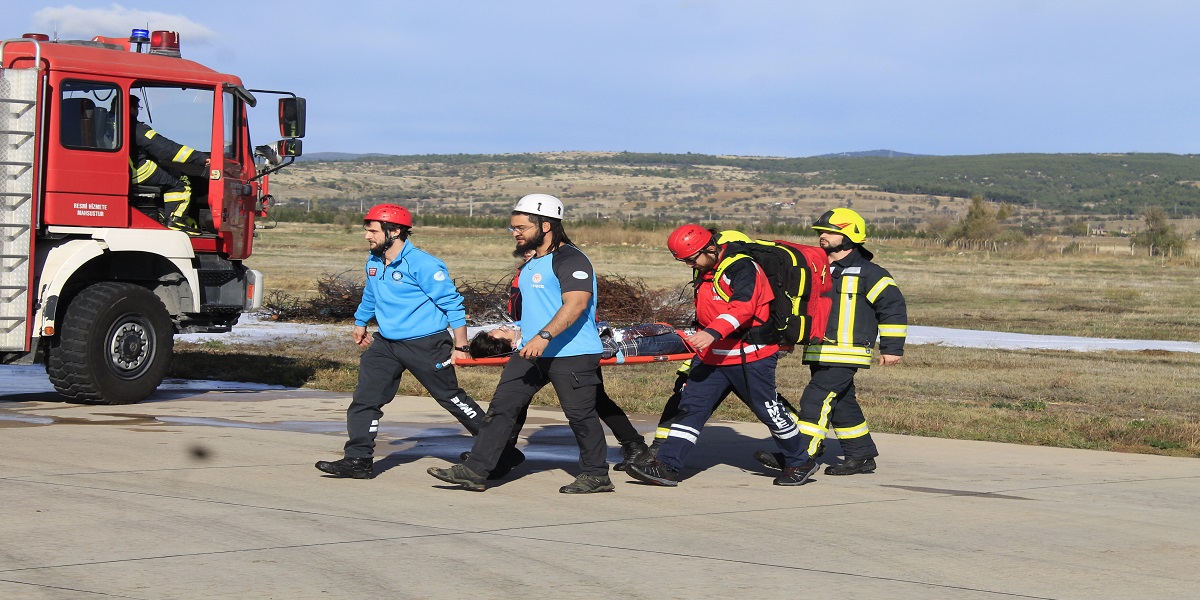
92	281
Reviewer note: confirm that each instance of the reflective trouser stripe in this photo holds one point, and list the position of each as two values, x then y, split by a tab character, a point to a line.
849	433
816	431
144	171
684	432
782	421
177	203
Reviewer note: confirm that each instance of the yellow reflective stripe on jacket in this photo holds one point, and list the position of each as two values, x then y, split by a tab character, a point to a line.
879	287
893	330
720	272
848	298
183	155
847	355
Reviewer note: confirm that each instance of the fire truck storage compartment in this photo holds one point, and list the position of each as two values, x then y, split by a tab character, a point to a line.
222	284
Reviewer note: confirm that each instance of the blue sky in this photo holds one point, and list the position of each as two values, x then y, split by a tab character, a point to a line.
745	77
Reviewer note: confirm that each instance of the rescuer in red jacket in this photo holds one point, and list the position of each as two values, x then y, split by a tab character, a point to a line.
727	308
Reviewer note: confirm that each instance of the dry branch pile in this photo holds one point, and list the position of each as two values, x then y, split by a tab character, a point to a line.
622	301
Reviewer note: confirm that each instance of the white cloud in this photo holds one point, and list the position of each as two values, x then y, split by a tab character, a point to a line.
72	22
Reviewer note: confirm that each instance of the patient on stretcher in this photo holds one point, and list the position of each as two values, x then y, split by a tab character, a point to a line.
646	339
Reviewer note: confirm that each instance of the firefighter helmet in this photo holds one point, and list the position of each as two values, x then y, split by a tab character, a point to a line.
389	213
845	222
543	205
687	240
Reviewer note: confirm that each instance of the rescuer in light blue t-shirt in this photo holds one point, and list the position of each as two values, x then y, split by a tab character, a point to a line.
559	346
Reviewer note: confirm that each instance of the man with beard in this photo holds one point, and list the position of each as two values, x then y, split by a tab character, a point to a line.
559	345
733	297
411	297
867	305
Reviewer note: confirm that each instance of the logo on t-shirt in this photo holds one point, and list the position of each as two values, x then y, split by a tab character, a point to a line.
397	275
371	271
579	275
439	276
537	277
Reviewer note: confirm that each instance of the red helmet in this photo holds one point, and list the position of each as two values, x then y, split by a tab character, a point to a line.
688	240
389	213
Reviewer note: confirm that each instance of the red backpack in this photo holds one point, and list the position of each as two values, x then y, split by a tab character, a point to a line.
799	276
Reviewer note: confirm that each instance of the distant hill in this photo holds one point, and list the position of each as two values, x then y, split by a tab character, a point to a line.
339	156
1107	184
869	153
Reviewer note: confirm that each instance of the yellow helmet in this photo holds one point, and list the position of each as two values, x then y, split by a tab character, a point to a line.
845	222
731	235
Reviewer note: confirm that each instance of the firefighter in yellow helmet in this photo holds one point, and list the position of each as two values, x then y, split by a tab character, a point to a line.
868	312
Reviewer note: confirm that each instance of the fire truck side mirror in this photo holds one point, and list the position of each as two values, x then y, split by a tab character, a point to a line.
291	148
291	118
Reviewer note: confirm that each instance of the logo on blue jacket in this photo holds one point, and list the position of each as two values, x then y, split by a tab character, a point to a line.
396	275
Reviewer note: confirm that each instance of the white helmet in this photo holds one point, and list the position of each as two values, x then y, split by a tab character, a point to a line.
540	204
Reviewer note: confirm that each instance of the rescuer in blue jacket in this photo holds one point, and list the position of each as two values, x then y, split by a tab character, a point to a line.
411	297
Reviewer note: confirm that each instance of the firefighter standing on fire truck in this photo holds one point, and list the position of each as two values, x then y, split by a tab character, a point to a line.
867	305
150	152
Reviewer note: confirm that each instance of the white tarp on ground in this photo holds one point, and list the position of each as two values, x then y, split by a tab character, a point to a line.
968	338
32	379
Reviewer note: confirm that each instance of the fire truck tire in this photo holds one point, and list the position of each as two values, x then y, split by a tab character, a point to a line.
114	347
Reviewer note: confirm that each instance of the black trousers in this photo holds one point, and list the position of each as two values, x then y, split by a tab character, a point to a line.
575	380
670	411
615	418
379	373
829	401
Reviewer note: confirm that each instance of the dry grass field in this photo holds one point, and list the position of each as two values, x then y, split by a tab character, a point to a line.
1125	401
1095	294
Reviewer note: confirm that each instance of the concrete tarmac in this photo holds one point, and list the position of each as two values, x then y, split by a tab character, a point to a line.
196	494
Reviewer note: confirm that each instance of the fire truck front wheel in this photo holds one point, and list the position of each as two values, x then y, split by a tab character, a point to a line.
115	345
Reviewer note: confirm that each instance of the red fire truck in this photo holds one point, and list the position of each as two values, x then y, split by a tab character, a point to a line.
93	284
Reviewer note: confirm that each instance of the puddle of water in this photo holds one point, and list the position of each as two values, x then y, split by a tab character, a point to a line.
27	419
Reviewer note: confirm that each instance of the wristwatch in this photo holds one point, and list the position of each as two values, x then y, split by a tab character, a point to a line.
463	348
545	335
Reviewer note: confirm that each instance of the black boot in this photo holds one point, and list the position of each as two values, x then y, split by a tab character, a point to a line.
588	484
656	473
509	460
184	224
636	452
654	446
461	476
774	460
770	460
852	466
354	468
